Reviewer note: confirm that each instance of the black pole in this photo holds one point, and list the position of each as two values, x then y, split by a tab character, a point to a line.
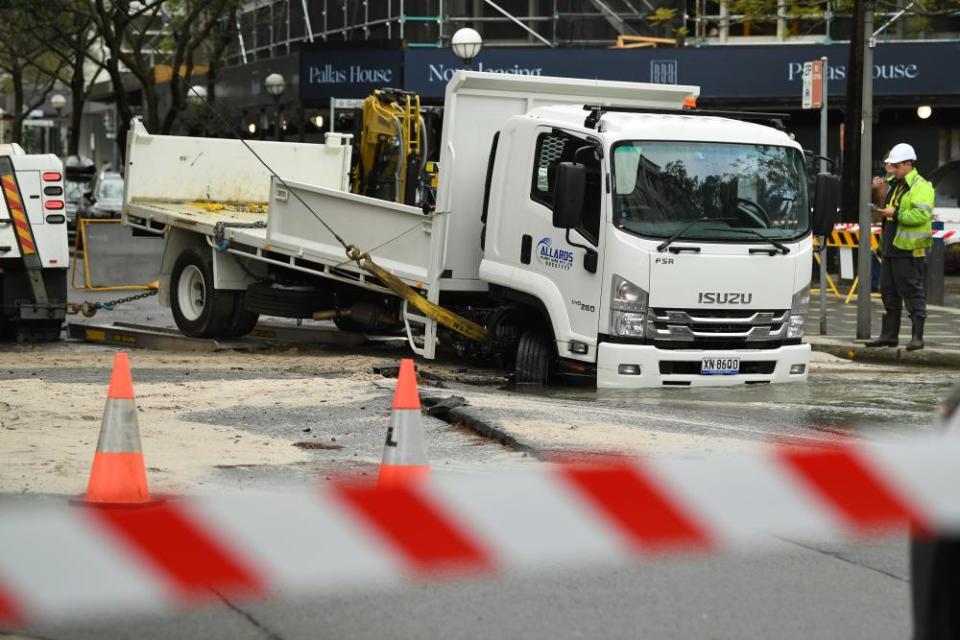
279	117
850	203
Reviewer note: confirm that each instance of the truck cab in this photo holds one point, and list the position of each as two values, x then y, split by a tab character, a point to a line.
664	249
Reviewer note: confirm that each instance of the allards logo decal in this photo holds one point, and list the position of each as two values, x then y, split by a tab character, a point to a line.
552	257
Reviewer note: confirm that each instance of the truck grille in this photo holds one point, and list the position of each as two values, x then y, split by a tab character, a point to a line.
717	325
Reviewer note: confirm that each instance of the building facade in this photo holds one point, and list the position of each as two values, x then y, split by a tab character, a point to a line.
333	51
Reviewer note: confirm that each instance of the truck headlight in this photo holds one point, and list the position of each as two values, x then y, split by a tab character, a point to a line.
798	312
628	308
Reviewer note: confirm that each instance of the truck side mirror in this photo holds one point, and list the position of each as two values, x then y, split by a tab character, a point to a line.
568	191
826	204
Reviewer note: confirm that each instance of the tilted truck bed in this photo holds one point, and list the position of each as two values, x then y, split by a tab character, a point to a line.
219	189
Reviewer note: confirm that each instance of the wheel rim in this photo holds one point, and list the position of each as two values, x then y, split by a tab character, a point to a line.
191	293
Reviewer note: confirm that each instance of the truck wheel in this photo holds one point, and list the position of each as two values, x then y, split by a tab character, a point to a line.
199	310
298	301
243	321
534	354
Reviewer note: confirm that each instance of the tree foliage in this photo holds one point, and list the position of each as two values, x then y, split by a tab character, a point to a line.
917	19
30	71
149	49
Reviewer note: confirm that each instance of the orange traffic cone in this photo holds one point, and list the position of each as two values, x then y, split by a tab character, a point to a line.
118	475
405	451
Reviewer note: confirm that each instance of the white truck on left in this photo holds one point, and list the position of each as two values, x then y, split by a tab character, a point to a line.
34	251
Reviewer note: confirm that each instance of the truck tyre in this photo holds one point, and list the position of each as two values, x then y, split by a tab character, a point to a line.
243	321
199	310
534	354
286	301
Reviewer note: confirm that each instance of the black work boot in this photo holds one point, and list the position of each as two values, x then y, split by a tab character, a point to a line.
916	342
889	334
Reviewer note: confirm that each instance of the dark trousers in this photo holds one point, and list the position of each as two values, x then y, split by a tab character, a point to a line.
901	282
935	586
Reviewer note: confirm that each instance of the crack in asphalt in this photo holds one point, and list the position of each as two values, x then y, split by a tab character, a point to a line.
269	633
841	558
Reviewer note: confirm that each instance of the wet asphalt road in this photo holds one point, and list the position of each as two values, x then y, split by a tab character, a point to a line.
802	592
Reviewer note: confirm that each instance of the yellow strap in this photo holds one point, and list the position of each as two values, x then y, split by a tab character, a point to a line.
435	312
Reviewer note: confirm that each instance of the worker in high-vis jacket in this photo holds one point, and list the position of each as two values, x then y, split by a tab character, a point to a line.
906	236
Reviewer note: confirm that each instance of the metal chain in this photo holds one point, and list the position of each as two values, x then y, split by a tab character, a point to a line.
220	230
89	309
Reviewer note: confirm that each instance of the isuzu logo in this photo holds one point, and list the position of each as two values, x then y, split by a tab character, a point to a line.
712	297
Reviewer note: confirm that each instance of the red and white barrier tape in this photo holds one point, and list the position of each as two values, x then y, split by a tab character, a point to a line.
855	228
59	562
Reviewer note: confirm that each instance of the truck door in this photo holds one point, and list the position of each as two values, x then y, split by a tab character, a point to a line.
561	256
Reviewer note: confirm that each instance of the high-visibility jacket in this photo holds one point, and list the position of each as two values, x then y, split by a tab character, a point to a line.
915	215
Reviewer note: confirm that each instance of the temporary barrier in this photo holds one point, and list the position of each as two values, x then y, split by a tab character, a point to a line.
846	237
66	561
112	258
405	449
118	475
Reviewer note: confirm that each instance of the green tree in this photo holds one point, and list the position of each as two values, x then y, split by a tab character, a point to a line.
68	33
31	72
143	36
918	19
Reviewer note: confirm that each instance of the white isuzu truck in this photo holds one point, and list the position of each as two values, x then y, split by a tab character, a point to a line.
594	229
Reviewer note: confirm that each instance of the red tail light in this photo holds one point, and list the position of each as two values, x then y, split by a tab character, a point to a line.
52	176
56	205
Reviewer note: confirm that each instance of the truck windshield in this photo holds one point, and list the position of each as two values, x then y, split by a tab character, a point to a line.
659	187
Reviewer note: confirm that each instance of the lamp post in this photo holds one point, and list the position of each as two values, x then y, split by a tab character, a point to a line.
196	95
276	85
58	102
466	44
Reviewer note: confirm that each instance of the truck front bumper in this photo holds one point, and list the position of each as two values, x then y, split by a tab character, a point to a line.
617	366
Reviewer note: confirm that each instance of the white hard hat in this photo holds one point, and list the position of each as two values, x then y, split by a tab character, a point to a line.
901	152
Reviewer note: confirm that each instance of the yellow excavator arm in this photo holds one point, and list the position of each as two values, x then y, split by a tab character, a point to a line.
391	148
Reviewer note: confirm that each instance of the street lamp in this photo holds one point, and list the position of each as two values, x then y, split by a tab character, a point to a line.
466	44
58	102
193	114
275	85
924	111
196	94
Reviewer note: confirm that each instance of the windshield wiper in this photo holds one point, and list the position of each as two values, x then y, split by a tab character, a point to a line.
781	248
666	243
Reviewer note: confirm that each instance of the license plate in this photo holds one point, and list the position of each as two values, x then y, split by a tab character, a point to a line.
719	366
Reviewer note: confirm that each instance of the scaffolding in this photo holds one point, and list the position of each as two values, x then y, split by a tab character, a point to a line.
270	28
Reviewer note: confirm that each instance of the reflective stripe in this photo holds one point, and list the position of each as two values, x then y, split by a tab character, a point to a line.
119	432
912	234
11	192
924	207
